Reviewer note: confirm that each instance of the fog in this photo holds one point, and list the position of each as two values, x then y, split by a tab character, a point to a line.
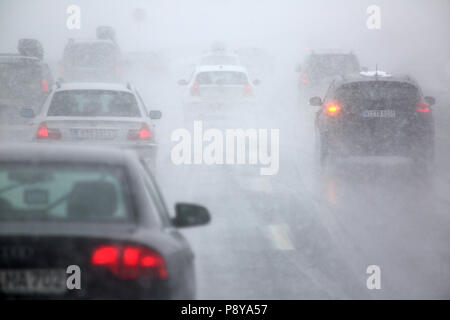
304	231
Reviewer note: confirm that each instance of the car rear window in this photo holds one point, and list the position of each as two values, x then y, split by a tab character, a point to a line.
20	83
378	95
222	78
328	65
67	193
93	103
91	55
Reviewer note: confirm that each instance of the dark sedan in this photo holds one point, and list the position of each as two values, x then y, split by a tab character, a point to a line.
90	223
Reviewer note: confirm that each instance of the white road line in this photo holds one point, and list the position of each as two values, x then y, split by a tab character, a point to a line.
281	237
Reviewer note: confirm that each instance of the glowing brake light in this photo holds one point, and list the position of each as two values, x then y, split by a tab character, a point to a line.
195	90
45	133
142	134
44	86
333	108
130	262
247	90
422	107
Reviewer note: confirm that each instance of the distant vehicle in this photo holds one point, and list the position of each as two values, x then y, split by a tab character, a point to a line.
319	69
257	61
25	82
97	60
219	83
145	62
98	209
219	58
375	115
97	113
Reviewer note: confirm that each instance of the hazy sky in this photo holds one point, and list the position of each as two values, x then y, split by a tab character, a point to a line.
414	33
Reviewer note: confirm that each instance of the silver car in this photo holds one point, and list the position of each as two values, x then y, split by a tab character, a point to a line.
97	113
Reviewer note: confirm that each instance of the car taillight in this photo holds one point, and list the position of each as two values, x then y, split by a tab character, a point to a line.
422	107
117	69
130	262
195	90
61	69
46	133
304	77
247	90
44	85
332	108
141	134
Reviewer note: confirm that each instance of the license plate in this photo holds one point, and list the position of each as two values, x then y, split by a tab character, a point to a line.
33	281
379	113
93	134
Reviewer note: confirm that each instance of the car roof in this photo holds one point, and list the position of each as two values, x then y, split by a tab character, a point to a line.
368	77
17	58
48	153
221	68
94	86
90	41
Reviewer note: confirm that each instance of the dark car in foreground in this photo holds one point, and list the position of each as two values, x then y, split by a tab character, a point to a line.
376	115
98	210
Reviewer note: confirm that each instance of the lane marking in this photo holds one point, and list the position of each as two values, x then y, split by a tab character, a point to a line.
281	237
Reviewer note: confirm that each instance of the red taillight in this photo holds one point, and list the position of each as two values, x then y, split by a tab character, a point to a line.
44	86
61	69
195	90
130	262
422	107
332	108
142	134
117	69
304	75
45	133
247	90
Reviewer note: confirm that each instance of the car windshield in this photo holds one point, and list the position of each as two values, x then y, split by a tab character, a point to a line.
378	94
332	65
222	78
91	55
93	103
63	192
20	84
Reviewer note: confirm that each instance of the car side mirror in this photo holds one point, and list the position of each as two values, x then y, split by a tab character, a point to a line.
190	215
256	82
182	82
316	102
430	100
155	114
27	113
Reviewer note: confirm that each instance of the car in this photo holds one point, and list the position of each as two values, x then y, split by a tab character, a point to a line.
97	60
219	58
95	210
321	67
375	115
216	86
97	113
25	82
257	61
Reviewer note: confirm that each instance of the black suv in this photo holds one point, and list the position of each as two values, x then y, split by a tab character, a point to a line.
319	69
373	115
25	81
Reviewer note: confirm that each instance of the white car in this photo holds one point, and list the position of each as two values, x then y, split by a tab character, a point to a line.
97	113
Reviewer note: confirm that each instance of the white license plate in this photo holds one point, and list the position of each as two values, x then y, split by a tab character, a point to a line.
379	113
33	281
93	134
